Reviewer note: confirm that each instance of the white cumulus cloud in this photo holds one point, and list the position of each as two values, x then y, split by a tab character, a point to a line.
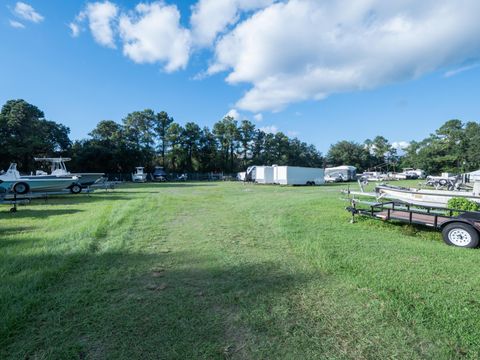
16	24
290	51
270	129
301	50
100	17
234	114
74	28
27	12
212	17
154	34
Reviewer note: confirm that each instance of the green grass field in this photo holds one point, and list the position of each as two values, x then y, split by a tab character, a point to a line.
228	271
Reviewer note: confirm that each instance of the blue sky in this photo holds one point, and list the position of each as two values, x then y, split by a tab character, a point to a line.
350	89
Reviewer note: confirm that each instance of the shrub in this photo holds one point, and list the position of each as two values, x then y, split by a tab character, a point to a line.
463	204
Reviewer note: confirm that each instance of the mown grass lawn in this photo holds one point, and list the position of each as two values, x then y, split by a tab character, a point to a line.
224	270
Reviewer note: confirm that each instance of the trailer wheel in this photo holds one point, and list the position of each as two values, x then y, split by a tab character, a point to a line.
460	234
20	188
75	189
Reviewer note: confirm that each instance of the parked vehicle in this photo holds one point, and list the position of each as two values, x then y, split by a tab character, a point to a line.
295	175
375	176
414	173
139	175
22	184
159	174
340	173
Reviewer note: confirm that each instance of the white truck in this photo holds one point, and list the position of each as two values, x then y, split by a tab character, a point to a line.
296	175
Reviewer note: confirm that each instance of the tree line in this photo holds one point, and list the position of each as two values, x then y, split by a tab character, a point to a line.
454	147
149	139
146	138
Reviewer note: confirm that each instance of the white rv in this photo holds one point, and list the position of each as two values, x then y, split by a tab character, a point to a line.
295	175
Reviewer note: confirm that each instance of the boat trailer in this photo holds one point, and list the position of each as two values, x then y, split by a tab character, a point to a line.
459	228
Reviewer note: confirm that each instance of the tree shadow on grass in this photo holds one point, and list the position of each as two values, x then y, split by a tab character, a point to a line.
15	230
25	212
124	306
5	243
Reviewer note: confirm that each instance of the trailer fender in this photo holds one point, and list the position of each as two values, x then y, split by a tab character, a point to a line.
474	224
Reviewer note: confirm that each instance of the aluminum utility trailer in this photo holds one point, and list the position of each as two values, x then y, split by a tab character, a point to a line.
459	228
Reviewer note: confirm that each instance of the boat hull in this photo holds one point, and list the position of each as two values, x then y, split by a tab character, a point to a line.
428	198
40	184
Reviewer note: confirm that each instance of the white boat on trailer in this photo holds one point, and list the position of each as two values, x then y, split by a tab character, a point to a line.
424	197
12	181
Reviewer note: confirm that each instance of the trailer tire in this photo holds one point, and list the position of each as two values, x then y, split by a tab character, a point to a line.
461	235
76	189
20	188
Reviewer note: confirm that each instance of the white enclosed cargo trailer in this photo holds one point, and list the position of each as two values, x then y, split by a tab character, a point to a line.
295	175
264	175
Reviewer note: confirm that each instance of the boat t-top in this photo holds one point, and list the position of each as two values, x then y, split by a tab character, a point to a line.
58	167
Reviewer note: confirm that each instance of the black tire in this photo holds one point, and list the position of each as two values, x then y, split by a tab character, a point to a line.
13	210
443	182
76	189
21	188
461	235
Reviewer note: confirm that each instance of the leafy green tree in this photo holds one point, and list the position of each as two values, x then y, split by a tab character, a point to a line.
139	128
191	139
349	153
472	146
208	153
25	133
246	132
163	122
228	136
176	154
